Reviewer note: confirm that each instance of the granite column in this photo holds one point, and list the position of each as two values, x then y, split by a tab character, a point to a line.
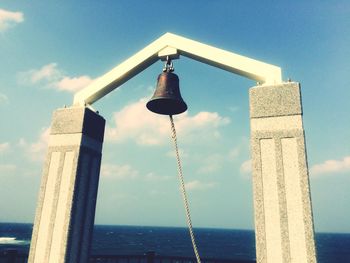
66	208
283	214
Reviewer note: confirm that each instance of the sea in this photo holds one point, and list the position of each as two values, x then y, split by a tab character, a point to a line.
230	244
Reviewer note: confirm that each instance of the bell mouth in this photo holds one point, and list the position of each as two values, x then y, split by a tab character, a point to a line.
166	106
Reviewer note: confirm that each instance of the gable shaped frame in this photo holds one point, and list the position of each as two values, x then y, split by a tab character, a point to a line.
173	45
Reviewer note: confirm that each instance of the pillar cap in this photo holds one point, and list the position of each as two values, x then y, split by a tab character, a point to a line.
275	100
78	120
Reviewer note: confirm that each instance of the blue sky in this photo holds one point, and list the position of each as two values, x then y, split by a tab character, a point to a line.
50	50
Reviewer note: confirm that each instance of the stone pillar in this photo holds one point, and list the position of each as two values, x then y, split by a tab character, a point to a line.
66	208
283	214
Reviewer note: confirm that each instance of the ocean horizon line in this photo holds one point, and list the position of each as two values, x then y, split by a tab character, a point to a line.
184	226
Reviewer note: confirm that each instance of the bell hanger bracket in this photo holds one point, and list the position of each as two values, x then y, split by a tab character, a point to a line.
168	66
168	52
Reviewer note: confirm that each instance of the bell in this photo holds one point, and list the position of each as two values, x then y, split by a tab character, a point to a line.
167	99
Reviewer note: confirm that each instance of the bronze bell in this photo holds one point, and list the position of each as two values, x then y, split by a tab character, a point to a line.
167	99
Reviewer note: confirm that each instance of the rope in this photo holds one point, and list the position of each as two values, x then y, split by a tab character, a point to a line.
183	190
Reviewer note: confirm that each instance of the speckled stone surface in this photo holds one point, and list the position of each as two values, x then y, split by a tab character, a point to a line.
66	207
78	120
272	101
276	116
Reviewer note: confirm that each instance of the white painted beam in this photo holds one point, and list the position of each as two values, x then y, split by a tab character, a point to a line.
237	64
120	74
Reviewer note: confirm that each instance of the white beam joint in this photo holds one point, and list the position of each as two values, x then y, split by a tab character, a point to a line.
168	51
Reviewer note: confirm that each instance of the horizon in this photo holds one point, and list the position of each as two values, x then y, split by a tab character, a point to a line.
183	227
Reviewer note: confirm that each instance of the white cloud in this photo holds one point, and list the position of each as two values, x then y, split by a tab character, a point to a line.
211	163
183	154
135	122
50	76
197	185
73	84
114	171
9	19
234	153
327	167
22	143
48	73
4	147
246	167
3	98
155	177
331	166
7	168
201	121
36	150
